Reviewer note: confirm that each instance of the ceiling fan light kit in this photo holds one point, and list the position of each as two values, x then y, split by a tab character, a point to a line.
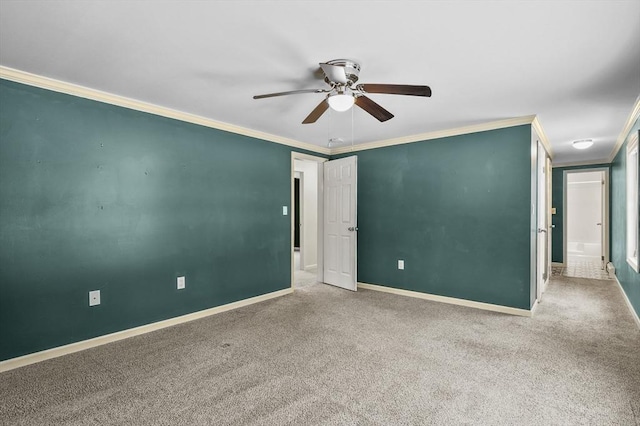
582	143
342	75
341	102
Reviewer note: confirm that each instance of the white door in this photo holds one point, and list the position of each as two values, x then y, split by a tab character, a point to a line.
601	223
340	236
543	229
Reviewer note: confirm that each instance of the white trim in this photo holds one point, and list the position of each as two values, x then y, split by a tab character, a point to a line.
30	79
97	95
633	116
557	264
606	222
21	361
540	157
632	145
311	267
600	162
534	308
494	125
542	135
320	194
533	215
606	217
629	305
449	300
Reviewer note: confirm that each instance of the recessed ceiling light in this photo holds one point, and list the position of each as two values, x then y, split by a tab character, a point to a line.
582	143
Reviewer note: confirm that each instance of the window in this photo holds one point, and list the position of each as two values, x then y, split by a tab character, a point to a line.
633	164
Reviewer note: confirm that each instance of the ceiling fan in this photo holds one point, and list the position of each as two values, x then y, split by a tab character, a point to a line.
342	75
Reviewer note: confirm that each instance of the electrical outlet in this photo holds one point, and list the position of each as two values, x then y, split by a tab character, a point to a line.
400	264
94	297
181	283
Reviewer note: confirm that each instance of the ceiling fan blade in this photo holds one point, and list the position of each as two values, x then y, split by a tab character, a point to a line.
396	89
317	112
291	92
334	73
373	108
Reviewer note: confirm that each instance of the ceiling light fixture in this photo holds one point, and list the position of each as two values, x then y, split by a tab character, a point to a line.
582	143
341	101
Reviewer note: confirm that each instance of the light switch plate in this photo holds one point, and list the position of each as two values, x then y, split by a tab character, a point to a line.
285	210
94	297
400	264
181	283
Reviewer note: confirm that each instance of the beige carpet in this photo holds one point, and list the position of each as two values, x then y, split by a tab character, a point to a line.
329	356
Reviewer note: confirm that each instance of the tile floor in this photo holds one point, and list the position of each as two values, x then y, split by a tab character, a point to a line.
581	268
302	278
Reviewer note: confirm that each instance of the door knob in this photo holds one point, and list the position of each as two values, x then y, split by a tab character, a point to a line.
352	228
599	224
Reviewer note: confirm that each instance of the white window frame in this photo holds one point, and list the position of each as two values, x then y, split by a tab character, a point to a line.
633	207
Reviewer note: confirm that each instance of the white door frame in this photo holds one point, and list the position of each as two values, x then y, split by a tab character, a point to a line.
605	216
542	209
320	250
300	177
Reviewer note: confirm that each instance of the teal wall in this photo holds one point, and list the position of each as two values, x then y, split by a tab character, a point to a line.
94	196
629	279
456	210
557	201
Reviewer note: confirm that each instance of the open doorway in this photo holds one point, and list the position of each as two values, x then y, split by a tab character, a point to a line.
306	219
327	228
586	240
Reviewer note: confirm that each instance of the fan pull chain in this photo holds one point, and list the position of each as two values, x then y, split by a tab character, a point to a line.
352	108
329	130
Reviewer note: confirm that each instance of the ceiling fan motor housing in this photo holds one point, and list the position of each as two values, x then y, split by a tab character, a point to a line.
351	69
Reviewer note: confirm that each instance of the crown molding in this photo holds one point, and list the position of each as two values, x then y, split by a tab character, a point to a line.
542	135
23	77
494	125
30	79
633	116
601	162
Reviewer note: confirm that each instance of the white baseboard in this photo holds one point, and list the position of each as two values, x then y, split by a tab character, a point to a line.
557	264
21	361
535	306
626	299
311	268
450	300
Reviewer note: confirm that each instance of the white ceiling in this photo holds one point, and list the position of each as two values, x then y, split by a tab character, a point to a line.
576	64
